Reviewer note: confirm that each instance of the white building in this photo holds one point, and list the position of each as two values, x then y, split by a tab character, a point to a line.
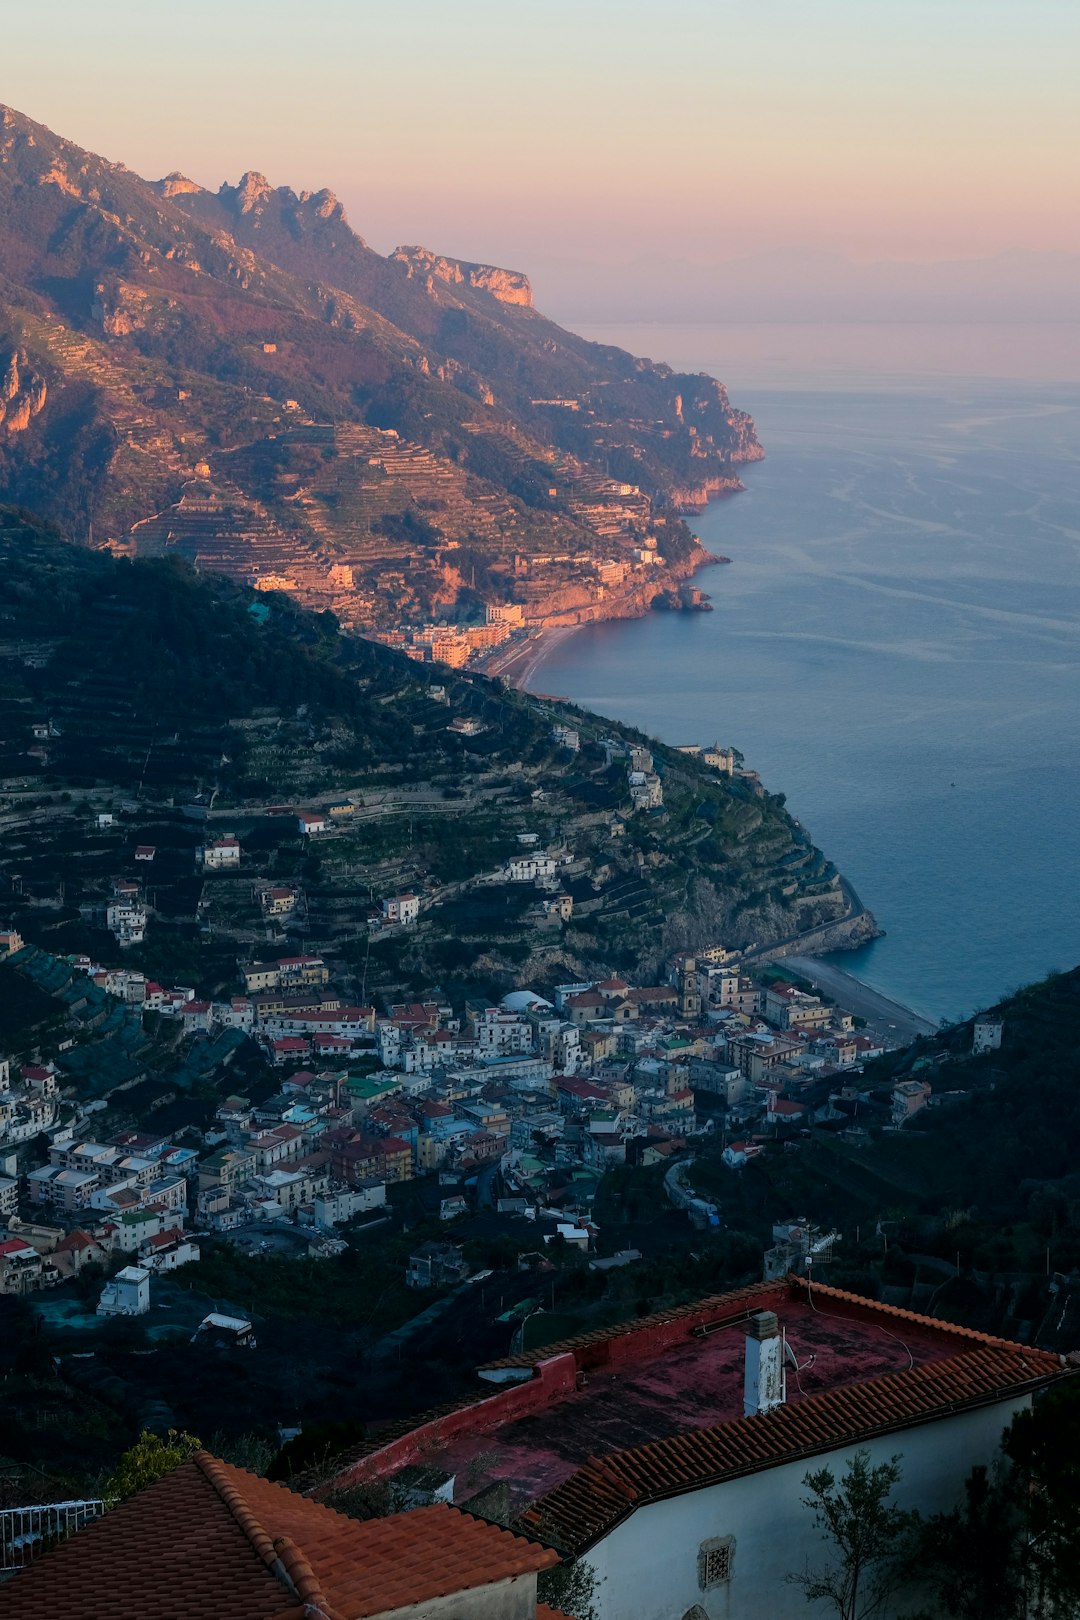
401	908
721	1408
530	868
341	1203
500	1029
986	1036
222	853
126	1294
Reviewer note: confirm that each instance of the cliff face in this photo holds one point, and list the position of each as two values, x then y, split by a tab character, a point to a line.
508	286
23	393
237	375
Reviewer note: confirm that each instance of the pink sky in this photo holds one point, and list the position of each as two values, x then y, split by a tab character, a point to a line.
596	131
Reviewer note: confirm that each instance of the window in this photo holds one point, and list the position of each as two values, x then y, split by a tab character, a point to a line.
715	1560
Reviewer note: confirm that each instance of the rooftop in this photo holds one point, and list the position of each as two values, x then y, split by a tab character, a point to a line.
240	1546
669	1389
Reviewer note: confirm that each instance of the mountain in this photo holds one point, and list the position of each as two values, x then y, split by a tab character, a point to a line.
237	377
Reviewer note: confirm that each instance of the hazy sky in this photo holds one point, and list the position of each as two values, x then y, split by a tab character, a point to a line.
597	130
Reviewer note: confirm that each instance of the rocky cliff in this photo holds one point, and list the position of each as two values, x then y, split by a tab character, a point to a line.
236	375
508	286
23	392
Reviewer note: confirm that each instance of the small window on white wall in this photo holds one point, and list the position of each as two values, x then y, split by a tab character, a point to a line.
716	1558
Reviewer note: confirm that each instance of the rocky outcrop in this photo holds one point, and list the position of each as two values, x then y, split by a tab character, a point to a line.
251	193
254	196
23	393
508	286
177	185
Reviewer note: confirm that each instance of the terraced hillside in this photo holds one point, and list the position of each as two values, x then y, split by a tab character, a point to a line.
238	378
176	706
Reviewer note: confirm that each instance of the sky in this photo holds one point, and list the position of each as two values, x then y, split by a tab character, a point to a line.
576	136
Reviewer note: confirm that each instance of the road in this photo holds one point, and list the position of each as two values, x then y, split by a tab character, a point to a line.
895	1023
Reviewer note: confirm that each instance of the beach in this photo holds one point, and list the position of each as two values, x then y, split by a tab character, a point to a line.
517	664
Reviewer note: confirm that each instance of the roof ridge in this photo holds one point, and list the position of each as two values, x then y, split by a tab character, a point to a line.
282	1557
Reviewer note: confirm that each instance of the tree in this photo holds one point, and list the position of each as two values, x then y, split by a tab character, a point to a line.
1043	1445
149	1459
972	1557
867	1533
569	1588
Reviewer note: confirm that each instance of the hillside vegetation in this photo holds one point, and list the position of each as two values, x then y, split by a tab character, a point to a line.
158	687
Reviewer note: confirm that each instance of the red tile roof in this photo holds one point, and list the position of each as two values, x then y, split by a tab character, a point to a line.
586	1506
669	1387
212	1540
76	1239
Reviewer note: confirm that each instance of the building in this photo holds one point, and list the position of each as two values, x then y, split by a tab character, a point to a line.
698	1507
531	868
126	1294
366	1158
310	822
401	908
23	1270
211	1541
986	1035
222	854
909	1097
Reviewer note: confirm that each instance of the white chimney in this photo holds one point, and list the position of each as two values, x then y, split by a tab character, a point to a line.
765	1382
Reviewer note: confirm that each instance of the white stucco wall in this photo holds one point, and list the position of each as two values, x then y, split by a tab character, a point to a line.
647	1567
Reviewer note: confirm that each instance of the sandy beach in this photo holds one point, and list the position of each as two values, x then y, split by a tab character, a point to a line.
517	665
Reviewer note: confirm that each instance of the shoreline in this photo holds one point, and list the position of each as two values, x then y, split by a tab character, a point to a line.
838	982
517	665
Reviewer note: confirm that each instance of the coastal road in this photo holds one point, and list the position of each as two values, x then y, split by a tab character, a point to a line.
895	1023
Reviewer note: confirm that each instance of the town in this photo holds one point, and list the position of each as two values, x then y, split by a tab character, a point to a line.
520	1104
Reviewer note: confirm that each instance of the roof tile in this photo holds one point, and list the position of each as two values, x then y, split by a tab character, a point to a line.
254	1550
605	1490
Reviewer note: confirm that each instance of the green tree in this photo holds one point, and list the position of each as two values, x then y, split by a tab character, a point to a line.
866	1532
1043	1445
570	1589
972	1558
150	1458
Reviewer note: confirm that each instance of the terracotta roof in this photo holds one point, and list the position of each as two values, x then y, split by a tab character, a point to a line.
12	1246
220	1541
606	1490
76	1239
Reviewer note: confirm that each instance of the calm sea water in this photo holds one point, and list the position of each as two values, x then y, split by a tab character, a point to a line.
895	646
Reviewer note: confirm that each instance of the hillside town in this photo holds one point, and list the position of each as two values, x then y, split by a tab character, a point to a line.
520	1104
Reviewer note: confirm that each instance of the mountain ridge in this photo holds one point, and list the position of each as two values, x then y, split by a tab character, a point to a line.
239	377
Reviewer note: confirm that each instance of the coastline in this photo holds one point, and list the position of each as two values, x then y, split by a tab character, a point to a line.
517	664
859	997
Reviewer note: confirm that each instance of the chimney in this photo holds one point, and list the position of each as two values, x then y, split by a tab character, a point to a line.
765	1382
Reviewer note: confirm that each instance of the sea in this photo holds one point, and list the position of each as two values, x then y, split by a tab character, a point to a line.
895	643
